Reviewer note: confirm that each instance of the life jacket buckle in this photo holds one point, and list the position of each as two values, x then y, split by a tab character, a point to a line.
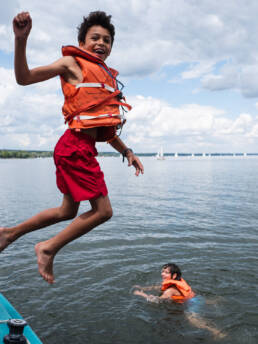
120	96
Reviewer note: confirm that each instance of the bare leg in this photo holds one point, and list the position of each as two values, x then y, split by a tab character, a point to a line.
201	323
66	211
101	211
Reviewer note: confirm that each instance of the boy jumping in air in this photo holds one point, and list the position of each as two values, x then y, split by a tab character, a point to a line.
92	111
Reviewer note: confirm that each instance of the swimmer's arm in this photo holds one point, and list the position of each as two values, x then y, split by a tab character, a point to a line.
22	25
119	146
152	298
167	294
151	287
148	288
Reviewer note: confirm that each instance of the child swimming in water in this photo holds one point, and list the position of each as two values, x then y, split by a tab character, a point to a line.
175	288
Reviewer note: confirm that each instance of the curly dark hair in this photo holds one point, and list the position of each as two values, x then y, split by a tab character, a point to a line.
95	18
174	269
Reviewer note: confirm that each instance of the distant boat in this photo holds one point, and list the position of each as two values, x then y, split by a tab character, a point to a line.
176	155
160	155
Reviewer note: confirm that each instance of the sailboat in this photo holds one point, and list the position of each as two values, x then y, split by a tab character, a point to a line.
160	155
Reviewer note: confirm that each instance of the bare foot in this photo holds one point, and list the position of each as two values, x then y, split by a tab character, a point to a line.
220	335
45	263
5	238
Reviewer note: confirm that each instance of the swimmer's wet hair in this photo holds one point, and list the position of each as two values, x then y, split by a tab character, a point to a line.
173	269
95	18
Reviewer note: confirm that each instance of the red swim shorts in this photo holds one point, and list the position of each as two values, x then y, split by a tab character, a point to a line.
77	171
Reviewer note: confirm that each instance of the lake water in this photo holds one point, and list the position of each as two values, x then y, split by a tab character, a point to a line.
200	213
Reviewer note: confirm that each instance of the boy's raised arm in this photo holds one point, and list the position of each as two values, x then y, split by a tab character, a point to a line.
22	25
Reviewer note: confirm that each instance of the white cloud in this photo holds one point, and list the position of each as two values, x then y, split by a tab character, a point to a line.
37	123
213	43
7	84
228	79
151	34
30	116
8	10
238	77
197	70
21	140
189	127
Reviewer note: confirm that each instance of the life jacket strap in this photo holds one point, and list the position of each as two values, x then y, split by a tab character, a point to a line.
95	84
100	116
91	105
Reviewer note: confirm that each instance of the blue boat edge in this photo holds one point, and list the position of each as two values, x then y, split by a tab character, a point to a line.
7	311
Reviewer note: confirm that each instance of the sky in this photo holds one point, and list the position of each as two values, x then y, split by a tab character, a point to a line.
190	70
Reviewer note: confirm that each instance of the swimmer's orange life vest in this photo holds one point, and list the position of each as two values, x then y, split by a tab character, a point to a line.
96	101
182	287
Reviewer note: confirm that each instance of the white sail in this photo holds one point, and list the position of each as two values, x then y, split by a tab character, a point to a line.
160	154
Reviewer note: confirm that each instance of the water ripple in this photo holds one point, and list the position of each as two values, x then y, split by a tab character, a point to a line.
199	213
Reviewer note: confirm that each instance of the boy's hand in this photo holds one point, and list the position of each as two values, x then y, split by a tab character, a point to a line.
22	24
135	161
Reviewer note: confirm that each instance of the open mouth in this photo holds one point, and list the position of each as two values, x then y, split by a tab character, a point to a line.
99	52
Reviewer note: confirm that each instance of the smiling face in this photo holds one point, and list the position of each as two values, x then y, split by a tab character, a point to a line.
165	274
97	41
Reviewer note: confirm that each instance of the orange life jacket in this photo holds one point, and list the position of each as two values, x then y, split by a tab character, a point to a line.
182	287
96	101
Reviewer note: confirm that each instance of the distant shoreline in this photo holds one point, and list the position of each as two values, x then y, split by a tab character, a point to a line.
30	154
23	154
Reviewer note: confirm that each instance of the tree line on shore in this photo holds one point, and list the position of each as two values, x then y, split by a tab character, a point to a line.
22	154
